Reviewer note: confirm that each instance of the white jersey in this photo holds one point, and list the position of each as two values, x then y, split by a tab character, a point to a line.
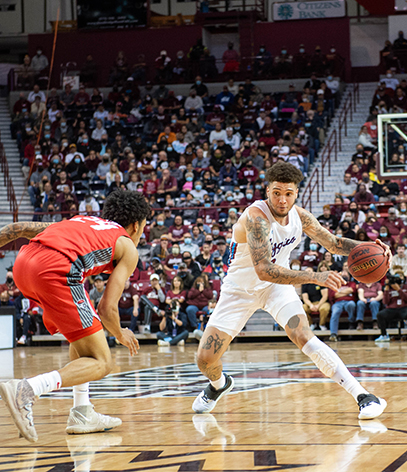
241	273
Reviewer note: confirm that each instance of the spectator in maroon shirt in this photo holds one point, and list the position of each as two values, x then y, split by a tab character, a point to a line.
312	257
82	98
173	260
151	184
372	227
178	229
385	236
92	161
177	291
269	125
342	300
61	182
129	304
22	105
197	299
363	196
207	213
394	225
249	173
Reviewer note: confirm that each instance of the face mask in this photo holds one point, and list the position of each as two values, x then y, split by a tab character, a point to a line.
198	82
47	136
284	51
164	165
187	240
64	126
366	179
198	187
383	235
248	139
140	190
262	50
262	176
28	130
169	149
9	280
55	161
229	199
207	205
249	196
389	76
295	267
47	127
307	125
313	247
175	251
333	50
77	160
302	50
85	141
39	52
160	223
258	187
159	271
353	210
228	240
24	110
215	232
403	210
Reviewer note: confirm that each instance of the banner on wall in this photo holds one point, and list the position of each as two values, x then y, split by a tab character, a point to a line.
111	14
308	10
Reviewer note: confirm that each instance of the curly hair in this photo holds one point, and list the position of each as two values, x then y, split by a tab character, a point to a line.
125	207
285	173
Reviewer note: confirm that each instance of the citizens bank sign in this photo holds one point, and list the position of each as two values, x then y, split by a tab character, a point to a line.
308	10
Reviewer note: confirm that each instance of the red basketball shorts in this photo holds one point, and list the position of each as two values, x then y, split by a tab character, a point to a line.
42	274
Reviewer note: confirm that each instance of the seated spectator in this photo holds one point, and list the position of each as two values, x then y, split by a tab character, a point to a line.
395	304
176	292
385	237
205	258
172	327
158	228
228	175
371	226
342	300
167	185
144	249
231	59
192	266
198	237
186	276
399	259
197	299
177	230
232	218
369	295
174	258
327	219
312	257
194	102
129	304
153	299
365	139
347	231
347	188
354	215
315	300
334	262
161	251
363	198
394	224
217	270
217	134
361	235
97	291
189	247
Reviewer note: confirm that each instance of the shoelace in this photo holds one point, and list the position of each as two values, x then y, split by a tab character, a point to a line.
29	415
205	398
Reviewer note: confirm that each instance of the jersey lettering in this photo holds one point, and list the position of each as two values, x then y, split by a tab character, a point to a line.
100	224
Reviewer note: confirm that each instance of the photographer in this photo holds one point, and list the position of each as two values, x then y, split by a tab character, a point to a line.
395	302
173	326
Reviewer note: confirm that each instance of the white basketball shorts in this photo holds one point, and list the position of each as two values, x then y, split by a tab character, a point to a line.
236	306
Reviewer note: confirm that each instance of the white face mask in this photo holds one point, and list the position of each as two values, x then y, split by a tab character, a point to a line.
39	52
389	76
295	267
333	50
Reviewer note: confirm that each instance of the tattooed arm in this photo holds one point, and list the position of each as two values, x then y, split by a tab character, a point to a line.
25	229
257	234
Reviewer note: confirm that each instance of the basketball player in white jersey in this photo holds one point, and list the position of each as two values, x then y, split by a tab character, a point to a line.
259	277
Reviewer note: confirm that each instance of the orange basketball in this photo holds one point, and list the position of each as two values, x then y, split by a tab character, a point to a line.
367	263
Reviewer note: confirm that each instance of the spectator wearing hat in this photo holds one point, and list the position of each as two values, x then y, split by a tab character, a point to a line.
129	304
188	246
72	153
97	291
186	276
217	269
223	250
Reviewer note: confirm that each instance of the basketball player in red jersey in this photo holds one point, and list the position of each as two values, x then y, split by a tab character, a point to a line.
50	270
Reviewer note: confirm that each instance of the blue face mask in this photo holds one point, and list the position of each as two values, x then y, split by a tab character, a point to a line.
313	247
258	187
249	196
215	232
47	136
262	176
55	161
198	82
85	141
173	121
77	160
383	235
307	125
169	149
228	240
47	127
160	223
284	51
187	240
338	235
207	205
230	199
198	187
189	179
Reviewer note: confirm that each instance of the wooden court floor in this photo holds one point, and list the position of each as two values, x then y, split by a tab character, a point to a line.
283	415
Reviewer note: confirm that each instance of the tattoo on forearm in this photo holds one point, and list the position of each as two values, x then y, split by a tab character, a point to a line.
25	229
294	322
216	341
258	230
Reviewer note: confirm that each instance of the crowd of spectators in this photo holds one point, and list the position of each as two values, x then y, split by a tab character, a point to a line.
394	55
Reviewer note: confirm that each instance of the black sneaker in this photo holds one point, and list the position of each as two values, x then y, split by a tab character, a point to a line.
370	406
207	399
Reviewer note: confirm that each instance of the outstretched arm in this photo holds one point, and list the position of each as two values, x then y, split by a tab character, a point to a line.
25	229
329	241
257	234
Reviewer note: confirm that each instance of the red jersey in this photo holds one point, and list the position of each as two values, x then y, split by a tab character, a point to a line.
87	241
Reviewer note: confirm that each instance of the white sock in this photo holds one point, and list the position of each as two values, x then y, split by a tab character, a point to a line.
330	364
45	383
220	383
81	395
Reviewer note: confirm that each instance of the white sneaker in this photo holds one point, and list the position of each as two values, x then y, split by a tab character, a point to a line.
19	398
207	399
323	328
370	406
22	340
161	342
84	419
382	338
313	326
181	343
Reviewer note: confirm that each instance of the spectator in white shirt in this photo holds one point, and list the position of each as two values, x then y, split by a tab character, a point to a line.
400	259
198	193
260	119
34	93
217	134
180	144
52	112
332	84
283	151
89	200
194	102
99	131
390	80
39	62
232	139
72	153
189	246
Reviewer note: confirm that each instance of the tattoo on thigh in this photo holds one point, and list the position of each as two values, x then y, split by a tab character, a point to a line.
294	322
216	341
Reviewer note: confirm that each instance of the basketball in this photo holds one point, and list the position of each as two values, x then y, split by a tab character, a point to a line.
367	263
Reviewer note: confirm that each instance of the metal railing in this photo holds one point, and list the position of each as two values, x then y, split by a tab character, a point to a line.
8	183
334	142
